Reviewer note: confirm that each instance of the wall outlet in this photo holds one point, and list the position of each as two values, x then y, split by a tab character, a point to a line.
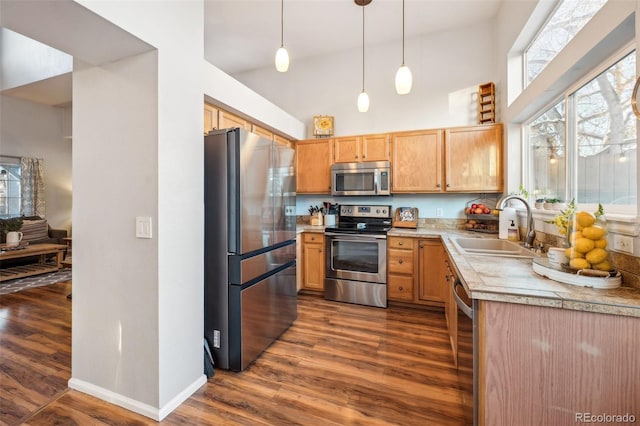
439	212
143	227
623	243
216	339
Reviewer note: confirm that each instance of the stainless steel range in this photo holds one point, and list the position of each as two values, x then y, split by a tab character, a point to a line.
356	256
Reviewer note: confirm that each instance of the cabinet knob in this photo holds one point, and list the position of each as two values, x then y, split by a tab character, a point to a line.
364	156
448	185
356	157
401	243
400	288
313	238
400	261
438	185
320	251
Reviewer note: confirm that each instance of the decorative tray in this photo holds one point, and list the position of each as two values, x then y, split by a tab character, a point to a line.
584	277
20	246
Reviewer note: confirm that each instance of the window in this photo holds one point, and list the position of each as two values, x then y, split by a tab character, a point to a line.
585	146
548	153
9	188
564	23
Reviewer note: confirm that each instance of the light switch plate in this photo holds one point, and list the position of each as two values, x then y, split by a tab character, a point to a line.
143	227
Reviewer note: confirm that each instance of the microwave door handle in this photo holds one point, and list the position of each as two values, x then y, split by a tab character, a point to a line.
376	181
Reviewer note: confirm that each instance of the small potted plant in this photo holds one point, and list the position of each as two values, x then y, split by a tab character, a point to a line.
550	203
13	224
539	203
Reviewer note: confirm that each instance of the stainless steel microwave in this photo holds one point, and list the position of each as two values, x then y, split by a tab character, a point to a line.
368	178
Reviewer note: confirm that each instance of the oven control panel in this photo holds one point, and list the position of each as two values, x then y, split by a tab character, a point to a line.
366	211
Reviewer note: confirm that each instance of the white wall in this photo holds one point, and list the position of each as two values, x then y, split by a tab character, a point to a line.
159	284
23	60
28	129
446	68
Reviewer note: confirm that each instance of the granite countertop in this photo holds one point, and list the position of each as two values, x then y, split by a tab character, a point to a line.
514	281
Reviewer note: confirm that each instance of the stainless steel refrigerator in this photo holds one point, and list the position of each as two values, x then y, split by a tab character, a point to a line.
250	249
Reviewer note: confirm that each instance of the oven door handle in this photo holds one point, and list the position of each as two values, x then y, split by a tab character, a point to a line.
354	237
468	310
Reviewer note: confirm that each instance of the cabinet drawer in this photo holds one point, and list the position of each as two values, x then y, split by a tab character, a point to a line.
313	237
400	287
401	242
401	261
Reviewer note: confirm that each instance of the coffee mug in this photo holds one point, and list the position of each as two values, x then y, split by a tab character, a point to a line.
14	238
557	255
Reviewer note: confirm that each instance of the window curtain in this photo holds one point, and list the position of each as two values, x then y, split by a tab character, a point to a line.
32	187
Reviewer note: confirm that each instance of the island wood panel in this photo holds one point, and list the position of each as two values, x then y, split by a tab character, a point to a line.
541	365
473	158
313	166
416	161
337	364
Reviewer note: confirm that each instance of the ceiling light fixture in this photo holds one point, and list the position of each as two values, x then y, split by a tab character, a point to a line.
363	98
404	80
282	56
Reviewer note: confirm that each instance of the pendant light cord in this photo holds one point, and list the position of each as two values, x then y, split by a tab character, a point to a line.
363	47
402	32
282	23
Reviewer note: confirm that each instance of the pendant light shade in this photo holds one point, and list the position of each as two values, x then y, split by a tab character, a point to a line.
363	98
282	59
282	56
404	79
363	102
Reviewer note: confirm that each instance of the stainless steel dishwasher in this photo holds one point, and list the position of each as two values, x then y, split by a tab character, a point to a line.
464	344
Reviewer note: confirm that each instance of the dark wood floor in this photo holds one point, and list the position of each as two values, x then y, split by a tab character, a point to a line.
338	364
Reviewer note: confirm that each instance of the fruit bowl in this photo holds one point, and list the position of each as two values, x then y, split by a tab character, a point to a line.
589	272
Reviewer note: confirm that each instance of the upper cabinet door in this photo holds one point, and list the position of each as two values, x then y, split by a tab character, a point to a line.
262	132
313	166
474	159
347	149
228	121
416	161
375	148
210	118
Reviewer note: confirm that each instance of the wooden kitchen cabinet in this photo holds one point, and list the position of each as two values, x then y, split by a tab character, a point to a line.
313	166
361	148
313	261
416	159
228	120
401	268
473	159
262	132
210	118
432	288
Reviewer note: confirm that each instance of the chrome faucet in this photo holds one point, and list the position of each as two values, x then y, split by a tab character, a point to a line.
531	232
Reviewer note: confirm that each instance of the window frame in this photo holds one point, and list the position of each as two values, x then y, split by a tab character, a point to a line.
571	158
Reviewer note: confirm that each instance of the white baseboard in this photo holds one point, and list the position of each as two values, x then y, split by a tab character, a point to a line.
136	406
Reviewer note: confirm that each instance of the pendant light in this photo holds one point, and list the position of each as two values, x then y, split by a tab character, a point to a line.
403	76
282	56
363	98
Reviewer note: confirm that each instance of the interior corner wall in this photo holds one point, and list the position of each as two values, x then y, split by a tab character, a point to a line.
29	129
175	184
115	275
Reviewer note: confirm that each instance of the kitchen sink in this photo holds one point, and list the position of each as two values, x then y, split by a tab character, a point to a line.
491	247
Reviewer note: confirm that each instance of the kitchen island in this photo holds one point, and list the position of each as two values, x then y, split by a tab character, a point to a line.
546	352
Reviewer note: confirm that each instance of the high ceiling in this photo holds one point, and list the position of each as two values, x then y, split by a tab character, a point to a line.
242	35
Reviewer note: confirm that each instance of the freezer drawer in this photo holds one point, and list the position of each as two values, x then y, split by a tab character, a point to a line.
259	314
